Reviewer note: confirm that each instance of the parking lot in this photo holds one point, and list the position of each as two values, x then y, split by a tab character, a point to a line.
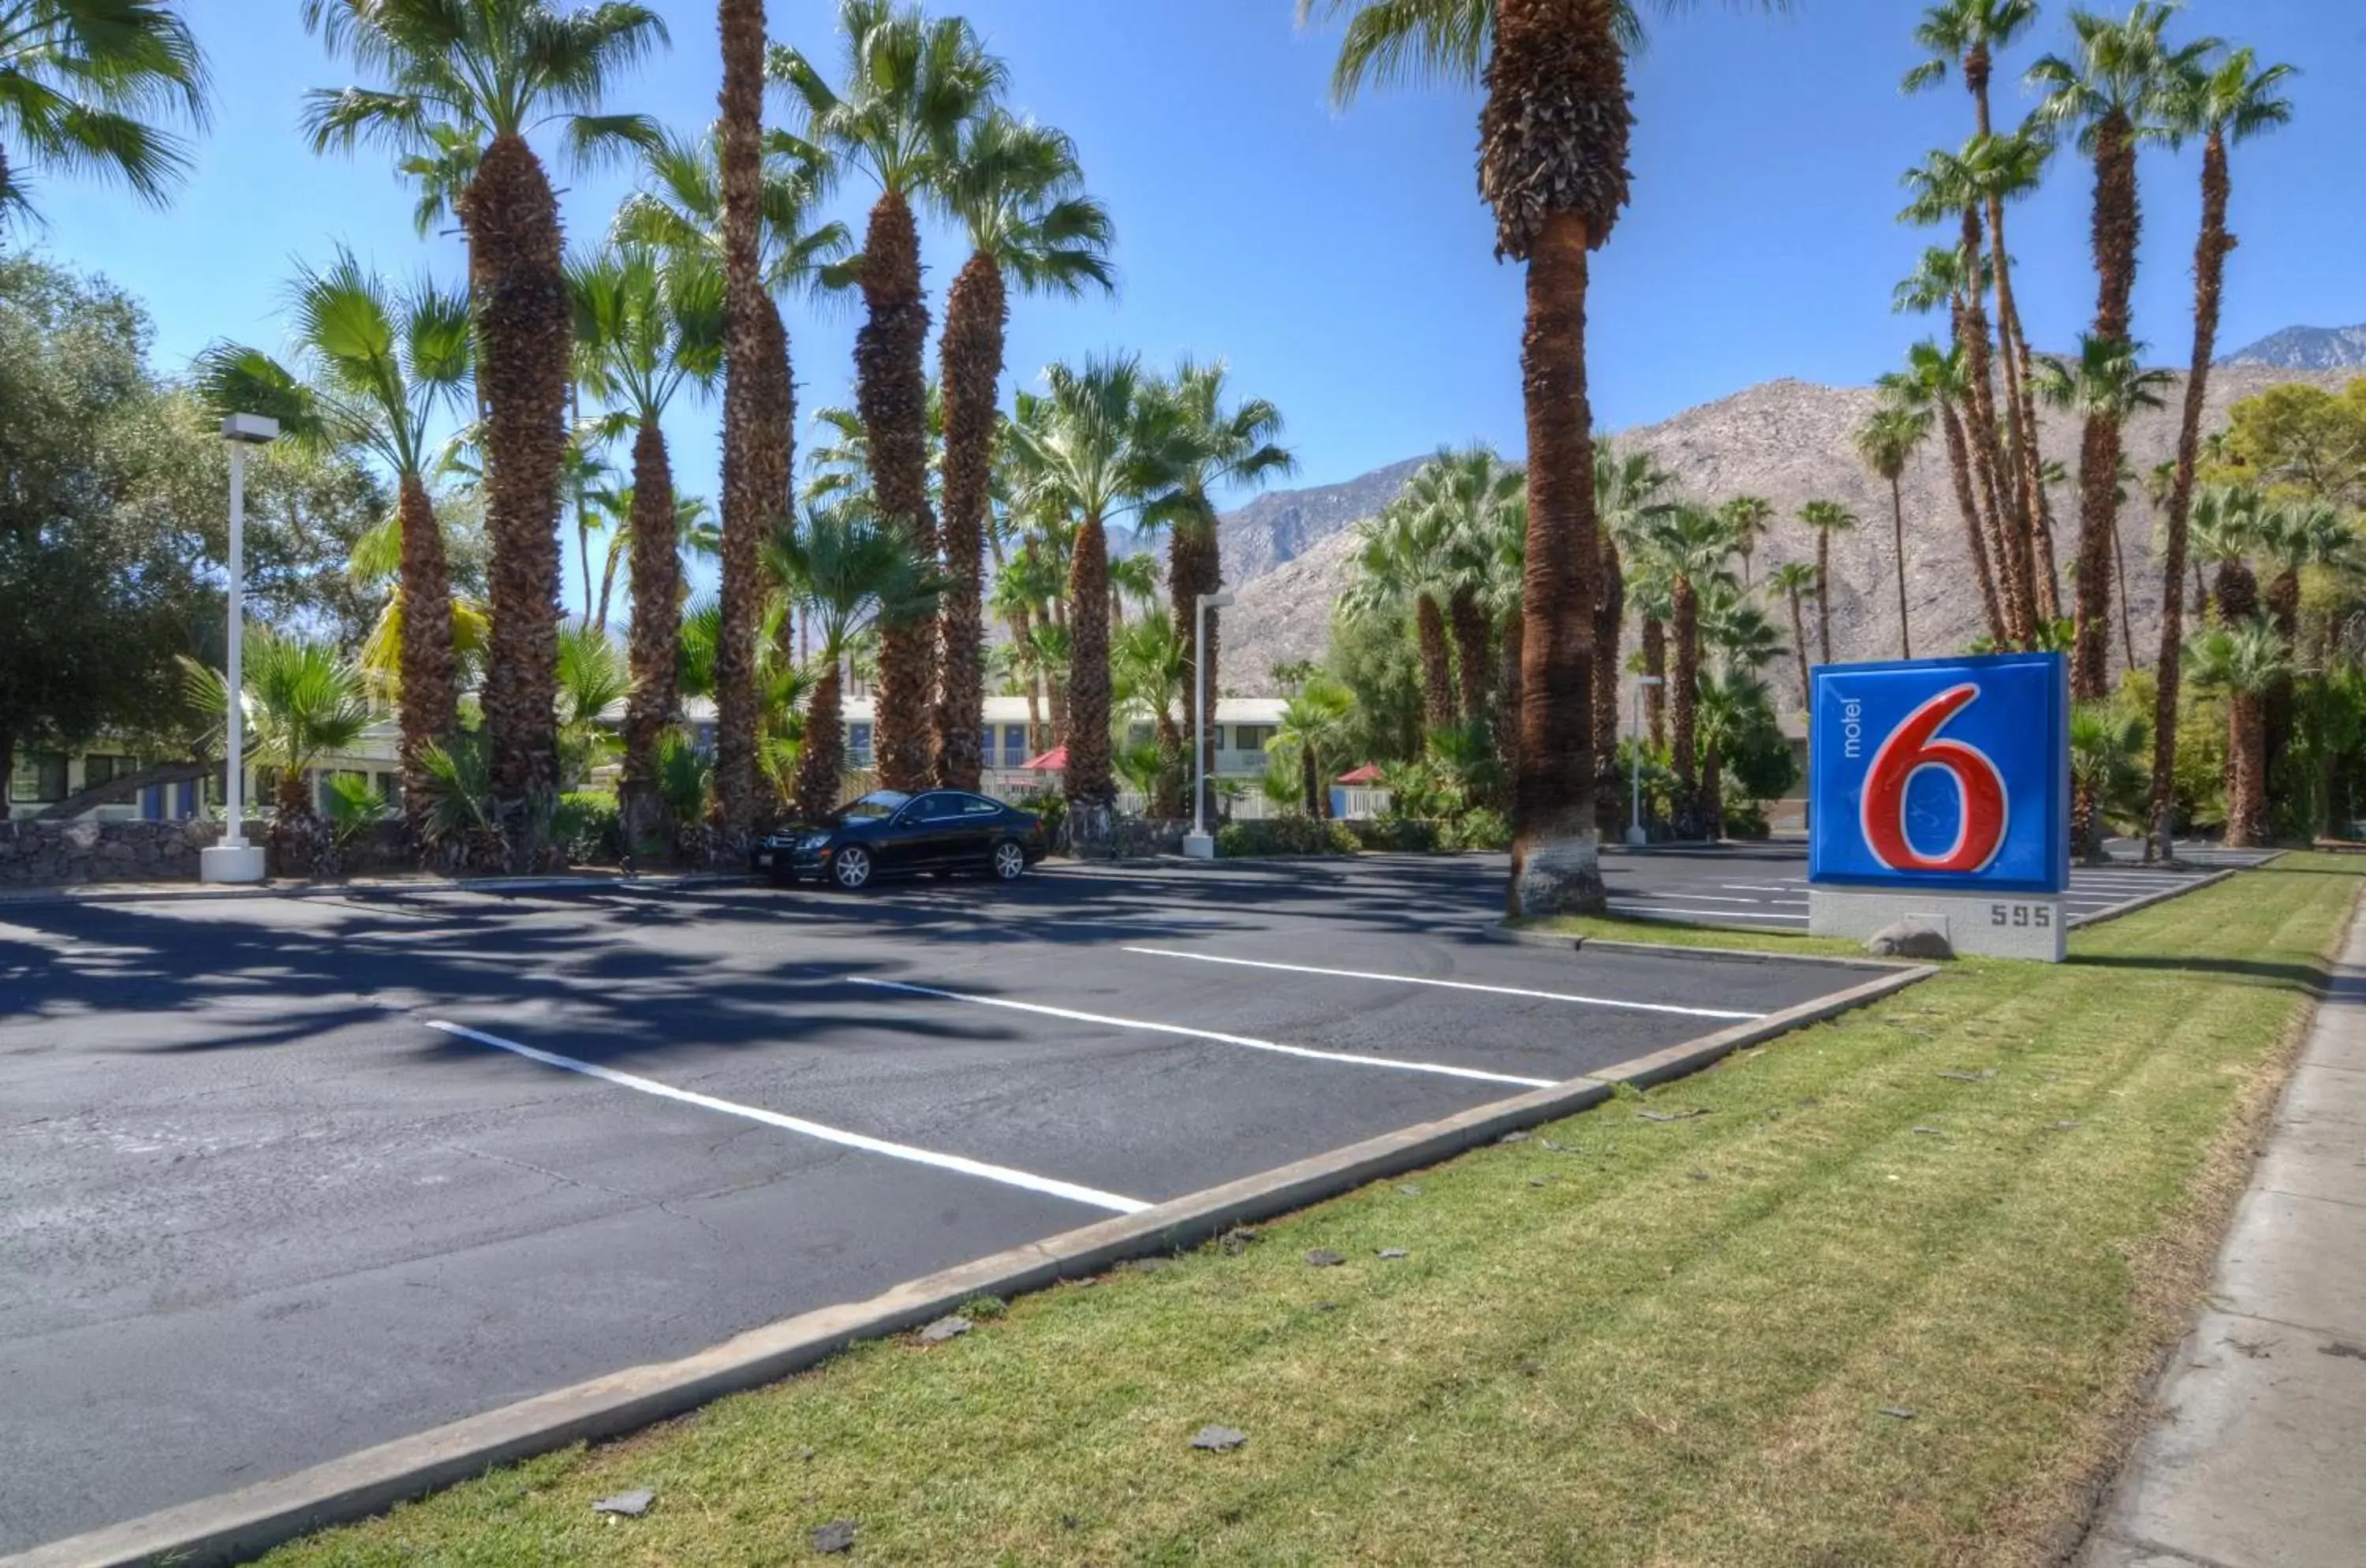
1764	886
288	1176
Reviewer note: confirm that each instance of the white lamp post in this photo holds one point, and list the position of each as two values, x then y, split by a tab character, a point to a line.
1635	834
235	860
1199	844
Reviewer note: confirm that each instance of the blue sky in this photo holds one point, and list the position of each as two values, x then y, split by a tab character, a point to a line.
1342	262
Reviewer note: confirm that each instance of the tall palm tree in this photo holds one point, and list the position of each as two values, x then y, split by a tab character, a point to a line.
2228	524
1692	545
1019	194
2117	90
1086	455
911	86
1147	667
2245	660
1215	444
1794	580
1826	518
2104	745
646	328
82	84
2227	104
1886	443
465	84
850	573
1628	487
1402	562
1553	144
1750	517
1934	385
2104	387
379	367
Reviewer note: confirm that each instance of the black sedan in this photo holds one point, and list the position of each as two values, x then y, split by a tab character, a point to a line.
887	833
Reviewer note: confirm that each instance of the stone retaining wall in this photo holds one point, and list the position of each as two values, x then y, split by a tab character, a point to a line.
53	854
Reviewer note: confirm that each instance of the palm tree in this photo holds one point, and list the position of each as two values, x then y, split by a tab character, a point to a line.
852	574
1749	517
1148	664
1794	579
1131	578
2293	538
1085	455
2225	105
2227	525
1649	591
1027	584
2104	745
1317	725
1934	385
594	675
1553	143
1214	445
1826	518
466	85
2105	386
645	329
1626	490
2245	660
1691	544
1016	191
303	701
379	366
1402	561
80	81
912	87
2118	91
1885	442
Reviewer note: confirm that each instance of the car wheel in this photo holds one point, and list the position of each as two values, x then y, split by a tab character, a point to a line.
851	868
1010	861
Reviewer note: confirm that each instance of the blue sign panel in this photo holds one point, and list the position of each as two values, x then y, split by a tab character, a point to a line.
1942	773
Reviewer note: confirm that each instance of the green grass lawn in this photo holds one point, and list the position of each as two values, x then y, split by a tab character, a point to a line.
1617	1341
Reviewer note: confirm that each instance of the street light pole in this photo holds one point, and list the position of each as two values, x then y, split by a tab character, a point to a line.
234	859
1200	845
1635	834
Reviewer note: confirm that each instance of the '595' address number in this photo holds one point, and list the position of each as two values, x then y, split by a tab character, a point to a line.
2039	917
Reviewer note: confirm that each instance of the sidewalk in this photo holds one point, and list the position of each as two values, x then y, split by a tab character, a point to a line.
2258	1459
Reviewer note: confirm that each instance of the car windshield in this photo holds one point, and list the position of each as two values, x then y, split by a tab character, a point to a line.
878	803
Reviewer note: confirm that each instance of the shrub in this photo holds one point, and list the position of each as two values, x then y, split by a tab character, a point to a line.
1479	830
1291	835
1743	819
1401	835
354	807
587	830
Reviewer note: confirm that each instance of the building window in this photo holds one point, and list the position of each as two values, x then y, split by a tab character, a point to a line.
390	786
1216	736
858	745
99	768
37	777
1014	745
1251	737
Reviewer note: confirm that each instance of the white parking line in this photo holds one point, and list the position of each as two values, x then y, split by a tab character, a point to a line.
1750	887
1450	984
1713	899
1092	1197
1241	1040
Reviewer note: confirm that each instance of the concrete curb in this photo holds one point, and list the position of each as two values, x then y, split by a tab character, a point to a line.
136	892
237	1525
2103	917
1571	942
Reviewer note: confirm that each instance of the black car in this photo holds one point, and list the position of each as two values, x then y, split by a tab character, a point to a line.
887	833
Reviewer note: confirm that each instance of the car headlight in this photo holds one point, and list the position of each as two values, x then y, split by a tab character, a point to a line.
813	840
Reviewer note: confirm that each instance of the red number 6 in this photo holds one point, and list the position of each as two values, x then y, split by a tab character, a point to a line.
1911	749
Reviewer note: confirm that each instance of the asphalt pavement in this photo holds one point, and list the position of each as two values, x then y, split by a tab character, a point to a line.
288	1176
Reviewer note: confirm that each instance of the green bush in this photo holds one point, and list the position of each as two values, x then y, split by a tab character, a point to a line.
1400	834
1743	819
1479	830
587	830
1291	835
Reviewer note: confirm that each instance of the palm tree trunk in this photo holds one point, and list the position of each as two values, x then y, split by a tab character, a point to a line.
2000	627
2013	347
1655	697
1310	782
2276	707
1823	597
1685	623
1712	793
971	357
2048	607
892	394
2209	276
2237	592
1023	626
525	337
617	550
2116	228
821	763
1897	540
2246	795
2004	498
1436	663
755	470
1194	568
1089	784
1470	669
2120	574
1507	739
1800	645
429	705
1609	617
656	633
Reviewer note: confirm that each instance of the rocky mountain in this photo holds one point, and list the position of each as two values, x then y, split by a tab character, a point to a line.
1788	441
2307	348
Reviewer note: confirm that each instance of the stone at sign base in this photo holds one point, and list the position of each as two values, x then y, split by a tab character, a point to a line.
1200	846
231	863
1988	925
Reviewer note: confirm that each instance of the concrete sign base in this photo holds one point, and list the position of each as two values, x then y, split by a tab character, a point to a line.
1992	925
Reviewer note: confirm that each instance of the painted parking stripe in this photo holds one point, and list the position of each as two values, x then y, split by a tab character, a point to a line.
1091	1196
1750	887
1714	898
1241	1040
1450	984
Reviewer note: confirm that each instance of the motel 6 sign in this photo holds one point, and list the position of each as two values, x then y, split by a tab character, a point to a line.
1942	776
